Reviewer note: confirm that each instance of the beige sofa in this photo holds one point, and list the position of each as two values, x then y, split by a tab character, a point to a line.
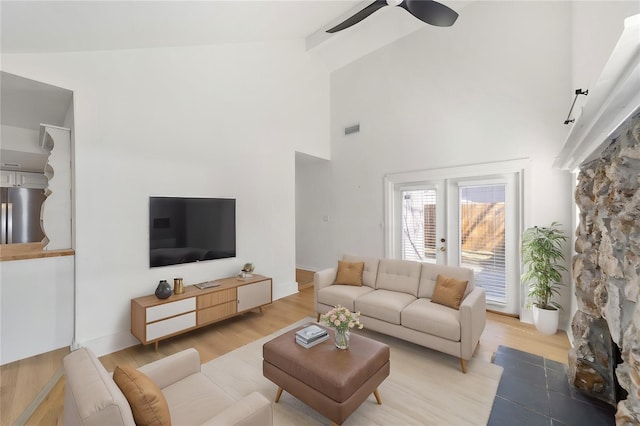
395	299
93	398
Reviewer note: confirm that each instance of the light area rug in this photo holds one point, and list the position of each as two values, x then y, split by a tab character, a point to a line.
425	387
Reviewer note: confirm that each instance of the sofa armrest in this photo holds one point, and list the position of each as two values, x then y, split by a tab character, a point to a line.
324	278
173	368
473	317
253	409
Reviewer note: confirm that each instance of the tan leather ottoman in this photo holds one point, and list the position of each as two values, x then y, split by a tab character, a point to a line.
332	381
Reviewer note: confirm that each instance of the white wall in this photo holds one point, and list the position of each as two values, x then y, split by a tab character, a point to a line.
37	306
221	121
495	86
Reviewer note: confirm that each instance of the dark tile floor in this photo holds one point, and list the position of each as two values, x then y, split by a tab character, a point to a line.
535	391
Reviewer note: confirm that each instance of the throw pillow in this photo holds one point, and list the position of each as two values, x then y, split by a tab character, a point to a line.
349	273
147	402
449	291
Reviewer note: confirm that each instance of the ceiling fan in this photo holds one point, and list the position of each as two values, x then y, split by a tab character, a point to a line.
428	11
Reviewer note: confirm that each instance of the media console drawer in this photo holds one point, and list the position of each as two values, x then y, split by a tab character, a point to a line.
216	298
153	319
169	326
216	313
171	309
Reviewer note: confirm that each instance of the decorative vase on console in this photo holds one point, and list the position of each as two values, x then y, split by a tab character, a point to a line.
163	290
342	319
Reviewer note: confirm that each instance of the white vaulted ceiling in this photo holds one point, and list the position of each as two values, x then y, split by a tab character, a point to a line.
67	26
54	26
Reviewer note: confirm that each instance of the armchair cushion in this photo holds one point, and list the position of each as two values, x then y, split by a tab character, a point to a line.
147	402
195	399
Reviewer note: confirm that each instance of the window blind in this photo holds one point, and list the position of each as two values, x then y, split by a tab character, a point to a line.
419	225
482	237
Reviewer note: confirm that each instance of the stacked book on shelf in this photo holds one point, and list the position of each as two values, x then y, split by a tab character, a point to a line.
311	336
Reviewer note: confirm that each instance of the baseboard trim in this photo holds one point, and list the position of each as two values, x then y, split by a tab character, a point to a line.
307	268
284	289
305	285
109	344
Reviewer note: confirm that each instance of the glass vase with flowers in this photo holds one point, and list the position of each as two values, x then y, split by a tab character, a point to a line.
342	320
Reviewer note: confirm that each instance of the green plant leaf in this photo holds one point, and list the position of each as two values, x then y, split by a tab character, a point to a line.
541	254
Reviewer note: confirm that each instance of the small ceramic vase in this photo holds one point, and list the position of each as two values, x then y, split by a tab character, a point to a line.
163	290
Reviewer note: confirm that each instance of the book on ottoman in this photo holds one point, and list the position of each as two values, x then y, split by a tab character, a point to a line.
311	343
311	333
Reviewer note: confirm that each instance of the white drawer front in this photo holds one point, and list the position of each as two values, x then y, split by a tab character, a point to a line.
170	309
253	295
171	325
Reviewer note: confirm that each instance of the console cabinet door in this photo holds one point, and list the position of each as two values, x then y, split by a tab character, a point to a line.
253	295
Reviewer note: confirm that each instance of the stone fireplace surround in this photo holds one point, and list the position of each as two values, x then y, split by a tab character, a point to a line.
606	269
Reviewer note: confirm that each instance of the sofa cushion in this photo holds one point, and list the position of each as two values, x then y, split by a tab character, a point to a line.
430	272
195	399
343	295
431	318
384	305
399	275
147	402
370	271
349	273
449	291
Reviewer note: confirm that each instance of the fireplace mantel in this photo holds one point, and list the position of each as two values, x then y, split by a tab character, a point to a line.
610	104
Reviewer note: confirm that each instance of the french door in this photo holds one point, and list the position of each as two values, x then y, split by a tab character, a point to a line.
473	222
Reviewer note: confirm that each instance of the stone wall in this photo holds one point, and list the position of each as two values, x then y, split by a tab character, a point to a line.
606	269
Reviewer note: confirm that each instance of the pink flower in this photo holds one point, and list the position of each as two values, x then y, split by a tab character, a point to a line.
341	318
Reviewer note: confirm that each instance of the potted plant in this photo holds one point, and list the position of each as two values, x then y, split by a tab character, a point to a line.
541	256
247	270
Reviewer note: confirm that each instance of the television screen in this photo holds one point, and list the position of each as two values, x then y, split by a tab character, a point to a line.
183	230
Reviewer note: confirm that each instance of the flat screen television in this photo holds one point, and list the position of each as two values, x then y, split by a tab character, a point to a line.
183	230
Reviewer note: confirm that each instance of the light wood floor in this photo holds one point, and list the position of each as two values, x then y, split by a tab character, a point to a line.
22	381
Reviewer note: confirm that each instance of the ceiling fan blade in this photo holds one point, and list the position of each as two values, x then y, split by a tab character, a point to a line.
359	16
431	12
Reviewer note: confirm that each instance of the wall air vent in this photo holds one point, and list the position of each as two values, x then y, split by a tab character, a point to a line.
352	129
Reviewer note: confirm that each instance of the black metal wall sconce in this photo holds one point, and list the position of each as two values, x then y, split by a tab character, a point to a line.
578	93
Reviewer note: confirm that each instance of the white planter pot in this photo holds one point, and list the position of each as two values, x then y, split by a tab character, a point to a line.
546	321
